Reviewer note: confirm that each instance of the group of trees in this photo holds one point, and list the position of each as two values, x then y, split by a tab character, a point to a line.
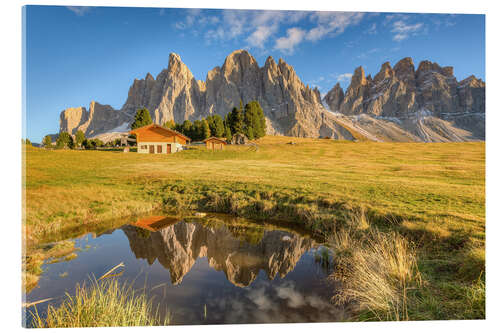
196	131
248	120
65	140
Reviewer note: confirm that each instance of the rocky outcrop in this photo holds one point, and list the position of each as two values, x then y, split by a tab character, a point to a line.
427	102
177	247
98	119
291	108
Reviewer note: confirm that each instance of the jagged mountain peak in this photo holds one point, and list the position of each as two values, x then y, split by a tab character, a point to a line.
295	109
241	59
385	72
410	96
270	62
358	78
405	69
427	66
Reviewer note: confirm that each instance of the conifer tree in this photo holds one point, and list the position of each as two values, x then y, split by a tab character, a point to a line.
142	118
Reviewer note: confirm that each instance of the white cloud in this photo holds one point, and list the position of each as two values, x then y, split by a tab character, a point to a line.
79	10
259	36
293	37
195	17
402	30
332	23
346	77
259	28
390	17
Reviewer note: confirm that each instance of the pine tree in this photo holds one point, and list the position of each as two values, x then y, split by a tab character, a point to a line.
236	122
64	140
219	128
187	129
47	141
255	122
227	134
205	130
197	130
79	137
142	118
169	124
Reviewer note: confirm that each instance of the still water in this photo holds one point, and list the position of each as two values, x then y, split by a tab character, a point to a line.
209	270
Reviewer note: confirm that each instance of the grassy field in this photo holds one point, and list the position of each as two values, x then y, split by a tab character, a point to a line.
432	194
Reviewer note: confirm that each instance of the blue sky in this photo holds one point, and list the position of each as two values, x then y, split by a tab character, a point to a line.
78	54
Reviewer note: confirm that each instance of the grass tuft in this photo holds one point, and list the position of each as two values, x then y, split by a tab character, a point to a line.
101	304
376	270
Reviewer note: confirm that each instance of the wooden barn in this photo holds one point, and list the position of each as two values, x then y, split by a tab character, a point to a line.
214	143
155	139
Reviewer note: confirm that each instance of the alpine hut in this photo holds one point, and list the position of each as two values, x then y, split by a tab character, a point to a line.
214	143
155	139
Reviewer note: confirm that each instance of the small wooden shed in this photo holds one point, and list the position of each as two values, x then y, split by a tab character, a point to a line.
214	143
155	139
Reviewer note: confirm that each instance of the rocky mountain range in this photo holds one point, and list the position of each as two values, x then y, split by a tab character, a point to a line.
397	104
177	247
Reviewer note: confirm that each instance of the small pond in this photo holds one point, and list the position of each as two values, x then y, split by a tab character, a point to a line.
211	270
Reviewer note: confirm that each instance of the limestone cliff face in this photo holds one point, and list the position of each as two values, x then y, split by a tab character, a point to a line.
398	104
410	95
174	94
290	107
98	119
177	248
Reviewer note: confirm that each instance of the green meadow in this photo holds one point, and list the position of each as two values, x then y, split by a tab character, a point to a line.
419	207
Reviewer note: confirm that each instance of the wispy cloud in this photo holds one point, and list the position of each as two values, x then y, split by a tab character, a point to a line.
372	30
261	28
403	30
368	53
293	37
260	36
346	77
79	10
392	17
332	23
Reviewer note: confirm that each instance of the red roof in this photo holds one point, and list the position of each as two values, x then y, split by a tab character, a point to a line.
171	131
216	139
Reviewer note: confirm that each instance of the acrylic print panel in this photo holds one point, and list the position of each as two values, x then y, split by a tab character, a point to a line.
215	166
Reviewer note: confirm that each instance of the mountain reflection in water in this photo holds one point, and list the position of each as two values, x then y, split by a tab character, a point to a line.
178	246
212	270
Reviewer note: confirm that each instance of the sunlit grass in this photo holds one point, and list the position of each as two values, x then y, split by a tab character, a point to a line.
432	195
377	272
102	304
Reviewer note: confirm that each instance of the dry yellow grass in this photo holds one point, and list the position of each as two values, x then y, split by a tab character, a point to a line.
102	304
431	194
376	271
417	180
